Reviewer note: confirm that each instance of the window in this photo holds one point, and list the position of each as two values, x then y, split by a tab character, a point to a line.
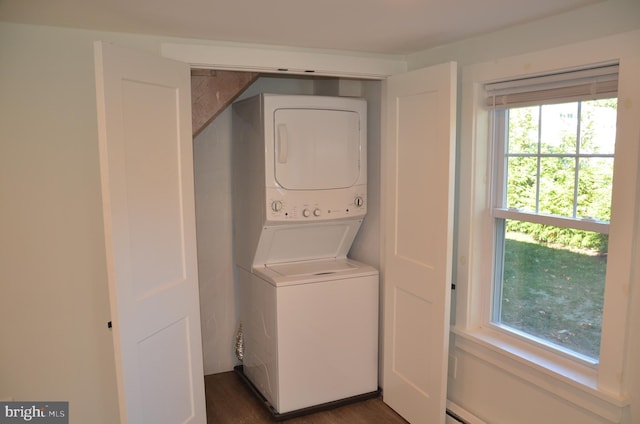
554	143
552	211
527	158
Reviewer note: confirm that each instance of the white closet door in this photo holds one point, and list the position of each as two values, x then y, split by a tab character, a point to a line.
144	118
418	219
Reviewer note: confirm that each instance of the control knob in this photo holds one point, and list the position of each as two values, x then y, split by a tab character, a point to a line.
276	206
358	201
306	213
316	212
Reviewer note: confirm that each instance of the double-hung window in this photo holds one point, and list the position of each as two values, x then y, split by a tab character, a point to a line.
553	145
548	228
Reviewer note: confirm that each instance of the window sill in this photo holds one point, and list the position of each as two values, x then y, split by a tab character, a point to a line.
562	377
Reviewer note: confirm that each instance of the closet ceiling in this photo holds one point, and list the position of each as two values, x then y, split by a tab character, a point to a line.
376	26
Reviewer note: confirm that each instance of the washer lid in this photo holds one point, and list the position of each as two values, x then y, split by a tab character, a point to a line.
304	269
305	272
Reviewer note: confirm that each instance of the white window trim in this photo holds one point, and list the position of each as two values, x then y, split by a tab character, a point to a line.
602	390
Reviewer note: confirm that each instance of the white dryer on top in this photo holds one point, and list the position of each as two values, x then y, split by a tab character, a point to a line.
298	160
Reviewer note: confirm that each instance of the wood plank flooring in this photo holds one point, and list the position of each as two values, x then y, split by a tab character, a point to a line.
230	401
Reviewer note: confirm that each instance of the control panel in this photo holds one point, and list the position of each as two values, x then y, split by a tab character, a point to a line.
315	205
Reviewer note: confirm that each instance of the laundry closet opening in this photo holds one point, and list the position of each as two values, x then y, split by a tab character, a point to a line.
218	279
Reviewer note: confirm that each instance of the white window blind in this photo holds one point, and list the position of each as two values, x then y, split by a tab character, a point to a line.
584	84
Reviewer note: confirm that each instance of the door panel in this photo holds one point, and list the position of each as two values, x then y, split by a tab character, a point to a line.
146	165
153	189
418	197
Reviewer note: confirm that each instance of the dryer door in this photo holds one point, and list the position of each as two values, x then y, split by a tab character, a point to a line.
316	149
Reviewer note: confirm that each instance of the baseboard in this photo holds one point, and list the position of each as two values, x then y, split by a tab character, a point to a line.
461	415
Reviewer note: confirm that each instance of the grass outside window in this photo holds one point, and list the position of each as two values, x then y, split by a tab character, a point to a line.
553	292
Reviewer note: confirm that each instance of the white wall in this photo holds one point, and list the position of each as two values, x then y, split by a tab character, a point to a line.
599	20
53	299
218	309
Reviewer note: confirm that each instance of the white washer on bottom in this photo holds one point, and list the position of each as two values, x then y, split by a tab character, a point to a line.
310	331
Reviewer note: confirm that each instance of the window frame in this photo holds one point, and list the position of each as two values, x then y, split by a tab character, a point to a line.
498	211
595	388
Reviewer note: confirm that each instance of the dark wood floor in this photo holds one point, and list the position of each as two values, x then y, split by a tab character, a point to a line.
230	401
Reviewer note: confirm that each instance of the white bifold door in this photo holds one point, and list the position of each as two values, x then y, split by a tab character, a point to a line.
146	164
418	158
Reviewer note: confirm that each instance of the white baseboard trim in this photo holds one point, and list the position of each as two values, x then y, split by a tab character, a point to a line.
461	415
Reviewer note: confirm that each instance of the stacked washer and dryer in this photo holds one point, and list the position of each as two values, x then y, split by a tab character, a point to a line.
309	313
